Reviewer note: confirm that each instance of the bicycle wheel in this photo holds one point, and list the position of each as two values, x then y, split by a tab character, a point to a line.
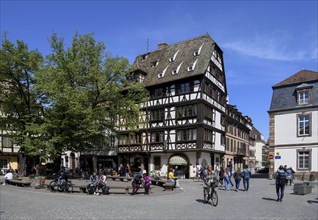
53	186
68	187
214	198
205	195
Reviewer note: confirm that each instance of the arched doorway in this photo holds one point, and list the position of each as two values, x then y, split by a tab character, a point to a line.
180	164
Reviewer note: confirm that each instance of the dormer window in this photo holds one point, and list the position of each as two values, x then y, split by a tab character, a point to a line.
175	71
155	63
303	94
173	58
197	53
192	66
162	74
303	97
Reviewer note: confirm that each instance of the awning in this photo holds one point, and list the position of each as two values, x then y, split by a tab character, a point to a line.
177	160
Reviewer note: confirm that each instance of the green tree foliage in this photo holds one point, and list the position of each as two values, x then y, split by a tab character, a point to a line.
19	106
85	89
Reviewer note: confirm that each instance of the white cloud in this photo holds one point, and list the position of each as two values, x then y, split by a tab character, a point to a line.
280	47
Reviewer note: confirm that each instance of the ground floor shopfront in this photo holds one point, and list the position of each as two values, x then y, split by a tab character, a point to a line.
184	164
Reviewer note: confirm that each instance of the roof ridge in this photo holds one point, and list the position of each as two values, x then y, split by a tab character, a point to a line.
288	81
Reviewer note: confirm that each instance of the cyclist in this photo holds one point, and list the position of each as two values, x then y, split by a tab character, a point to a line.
61	175
209	177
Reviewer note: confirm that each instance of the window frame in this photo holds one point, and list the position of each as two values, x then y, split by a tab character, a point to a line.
157	115
298	125
298	159
157	137
300	97
187	135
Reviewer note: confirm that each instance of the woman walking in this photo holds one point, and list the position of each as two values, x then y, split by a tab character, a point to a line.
226	179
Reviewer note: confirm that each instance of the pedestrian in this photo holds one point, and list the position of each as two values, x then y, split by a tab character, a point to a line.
226	180
171	177
137	181
221	176
146	181
121	171
7	177
230	168
280	182
102	184
127	170
237	177
92	184
217	170
290	176
246	178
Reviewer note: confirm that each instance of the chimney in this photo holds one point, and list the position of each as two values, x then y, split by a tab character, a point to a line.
162	45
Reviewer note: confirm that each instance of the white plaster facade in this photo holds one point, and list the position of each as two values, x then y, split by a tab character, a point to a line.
287	142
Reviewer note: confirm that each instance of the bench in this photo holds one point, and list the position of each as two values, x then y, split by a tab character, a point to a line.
168	186
158	182
21	182
121	178
83	189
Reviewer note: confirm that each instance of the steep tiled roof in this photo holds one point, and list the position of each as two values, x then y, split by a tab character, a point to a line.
299	77
176	57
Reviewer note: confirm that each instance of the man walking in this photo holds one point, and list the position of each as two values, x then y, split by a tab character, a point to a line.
280	178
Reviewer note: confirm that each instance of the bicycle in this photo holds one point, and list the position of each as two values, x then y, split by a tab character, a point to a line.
213	196
65	185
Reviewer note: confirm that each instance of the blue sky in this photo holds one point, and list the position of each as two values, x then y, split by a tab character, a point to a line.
264	42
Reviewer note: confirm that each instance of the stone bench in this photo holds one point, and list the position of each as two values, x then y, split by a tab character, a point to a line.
121	178
168	186
83	189
18	182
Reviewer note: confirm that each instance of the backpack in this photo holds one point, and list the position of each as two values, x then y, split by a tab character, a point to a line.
281	178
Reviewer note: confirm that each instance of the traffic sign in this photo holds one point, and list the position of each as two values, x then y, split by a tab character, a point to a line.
270	157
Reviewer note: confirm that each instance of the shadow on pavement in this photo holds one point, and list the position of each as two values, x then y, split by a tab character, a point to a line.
312	201
201	201
269	199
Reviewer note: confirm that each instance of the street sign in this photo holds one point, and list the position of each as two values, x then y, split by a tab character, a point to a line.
270	157
277	157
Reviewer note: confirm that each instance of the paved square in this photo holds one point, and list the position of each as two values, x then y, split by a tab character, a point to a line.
258	203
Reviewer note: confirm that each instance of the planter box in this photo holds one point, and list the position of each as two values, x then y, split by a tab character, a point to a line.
302	189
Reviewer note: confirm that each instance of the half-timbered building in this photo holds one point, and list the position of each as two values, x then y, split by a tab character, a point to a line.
183	122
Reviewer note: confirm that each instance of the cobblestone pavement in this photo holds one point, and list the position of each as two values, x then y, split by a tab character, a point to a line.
187	203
